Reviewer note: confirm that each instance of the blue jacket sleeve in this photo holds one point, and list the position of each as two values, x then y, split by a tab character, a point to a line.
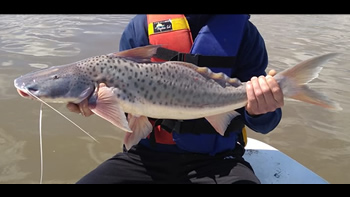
252	60
134	34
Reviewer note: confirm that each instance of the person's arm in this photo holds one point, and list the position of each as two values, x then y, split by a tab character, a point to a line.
265	98
135	33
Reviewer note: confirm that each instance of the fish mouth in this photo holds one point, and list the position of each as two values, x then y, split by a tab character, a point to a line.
27	93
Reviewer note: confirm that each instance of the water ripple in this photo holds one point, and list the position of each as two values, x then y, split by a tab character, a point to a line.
52	35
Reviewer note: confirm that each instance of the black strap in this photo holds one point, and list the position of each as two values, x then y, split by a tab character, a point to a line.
199	60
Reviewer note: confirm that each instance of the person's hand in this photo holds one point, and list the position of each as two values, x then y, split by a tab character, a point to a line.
82	108
264	94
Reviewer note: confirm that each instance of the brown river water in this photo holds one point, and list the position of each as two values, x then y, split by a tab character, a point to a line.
313	136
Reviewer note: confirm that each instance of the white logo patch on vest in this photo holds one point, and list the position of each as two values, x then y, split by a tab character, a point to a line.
162	26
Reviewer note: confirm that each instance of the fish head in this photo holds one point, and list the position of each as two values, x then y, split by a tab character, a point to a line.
57	84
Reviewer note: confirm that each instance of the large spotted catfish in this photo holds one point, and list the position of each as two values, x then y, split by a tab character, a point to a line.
169	90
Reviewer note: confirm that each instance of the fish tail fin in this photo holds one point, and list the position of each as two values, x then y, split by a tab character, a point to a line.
293	82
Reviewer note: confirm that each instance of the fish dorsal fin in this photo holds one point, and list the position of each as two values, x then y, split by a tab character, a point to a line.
138	54
220	78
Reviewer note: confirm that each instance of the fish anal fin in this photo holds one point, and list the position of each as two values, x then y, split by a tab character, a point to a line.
141	128
107	107
221	121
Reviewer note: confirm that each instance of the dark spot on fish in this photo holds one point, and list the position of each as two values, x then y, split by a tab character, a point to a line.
118	60
93	69
102	69
126	68
154	88
136	74
118	95
119	70
164	86
150	83
131	64
111	81
142	88
130	77
136	85
159	94
166	103
150	97
123	74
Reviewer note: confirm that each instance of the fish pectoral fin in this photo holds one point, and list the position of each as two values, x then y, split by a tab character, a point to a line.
221	121
107	107
141	128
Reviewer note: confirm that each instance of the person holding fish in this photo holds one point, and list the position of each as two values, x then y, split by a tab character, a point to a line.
194	151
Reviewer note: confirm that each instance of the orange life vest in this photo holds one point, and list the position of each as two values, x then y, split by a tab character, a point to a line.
171	31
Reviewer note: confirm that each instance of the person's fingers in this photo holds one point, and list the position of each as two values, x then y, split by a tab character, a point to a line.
269	103
84	108
252	105
73	107
276	91
258	92
272	72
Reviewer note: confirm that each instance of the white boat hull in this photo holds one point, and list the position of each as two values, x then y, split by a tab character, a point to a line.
274	167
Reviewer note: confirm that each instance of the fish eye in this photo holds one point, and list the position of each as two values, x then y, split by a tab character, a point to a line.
55	77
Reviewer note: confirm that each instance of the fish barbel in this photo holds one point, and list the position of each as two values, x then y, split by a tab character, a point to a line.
168	90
